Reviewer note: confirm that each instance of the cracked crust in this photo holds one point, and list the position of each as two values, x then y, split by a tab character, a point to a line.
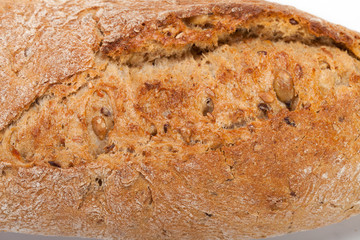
134	120
63	41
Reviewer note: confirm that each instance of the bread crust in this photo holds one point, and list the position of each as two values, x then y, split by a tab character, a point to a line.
121	24
294	165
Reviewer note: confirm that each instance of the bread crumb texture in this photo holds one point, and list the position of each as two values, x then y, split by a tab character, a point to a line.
175	120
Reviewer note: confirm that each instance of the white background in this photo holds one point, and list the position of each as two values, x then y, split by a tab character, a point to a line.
343	12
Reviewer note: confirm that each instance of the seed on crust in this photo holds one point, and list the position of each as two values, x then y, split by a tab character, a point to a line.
266	97
284	86
153	130
208	106
99	126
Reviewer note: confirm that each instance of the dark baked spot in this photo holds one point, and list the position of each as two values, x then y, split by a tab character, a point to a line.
130	149
6	171
152	130
165	233
333	205
293	21
151	86
288	105
265	108
276	204
289	122
166	127
99	181
150	199
249	71
16	153
207	26
109	148
208	214
54	164
171	148
100	221
341	119
197	52
352	207
36	102
62	142
293	194
251	128
262	53
208	106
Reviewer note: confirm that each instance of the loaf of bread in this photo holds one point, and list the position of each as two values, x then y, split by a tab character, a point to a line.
182	119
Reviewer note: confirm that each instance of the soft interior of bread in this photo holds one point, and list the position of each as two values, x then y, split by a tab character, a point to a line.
189	98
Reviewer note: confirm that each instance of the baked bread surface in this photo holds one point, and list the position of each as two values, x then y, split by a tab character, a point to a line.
175	119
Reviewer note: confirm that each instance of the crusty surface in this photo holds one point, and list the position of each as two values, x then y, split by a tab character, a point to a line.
45	42
208	121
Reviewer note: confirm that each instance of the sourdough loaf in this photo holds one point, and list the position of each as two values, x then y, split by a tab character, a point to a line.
175	119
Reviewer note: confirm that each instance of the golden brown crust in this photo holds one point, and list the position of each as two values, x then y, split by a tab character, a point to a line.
65	45
175	197
146	29
175	121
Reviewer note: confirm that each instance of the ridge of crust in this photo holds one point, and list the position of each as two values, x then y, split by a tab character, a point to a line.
235	15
